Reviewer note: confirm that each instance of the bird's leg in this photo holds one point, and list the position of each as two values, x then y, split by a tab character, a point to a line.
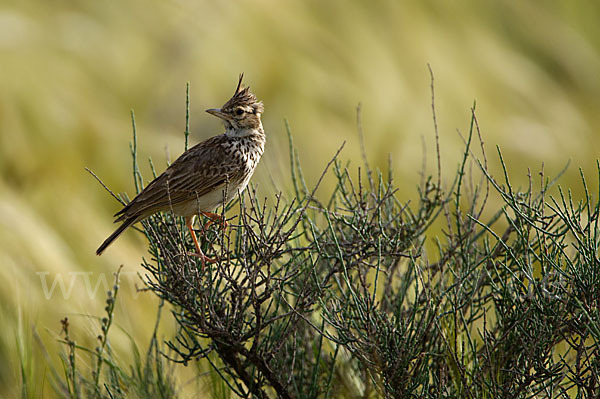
213	218
189	221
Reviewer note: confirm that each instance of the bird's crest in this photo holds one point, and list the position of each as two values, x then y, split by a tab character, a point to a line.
243	96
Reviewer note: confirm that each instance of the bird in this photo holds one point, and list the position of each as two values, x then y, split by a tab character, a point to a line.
207	175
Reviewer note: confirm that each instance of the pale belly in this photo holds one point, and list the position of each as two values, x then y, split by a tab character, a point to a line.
209	201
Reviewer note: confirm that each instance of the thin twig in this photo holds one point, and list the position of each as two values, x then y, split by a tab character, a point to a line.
105	187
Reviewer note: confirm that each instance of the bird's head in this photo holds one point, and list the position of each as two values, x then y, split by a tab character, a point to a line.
242	112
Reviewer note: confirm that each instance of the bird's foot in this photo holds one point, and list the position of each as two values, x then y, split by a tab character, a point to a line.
203	258
213	218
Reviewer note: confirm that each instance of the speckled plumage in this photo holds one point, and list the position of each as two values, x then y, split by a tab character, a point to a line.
197	181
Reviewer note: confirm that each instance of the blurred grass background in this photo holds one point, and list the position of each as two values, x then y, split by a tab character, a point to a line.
70	71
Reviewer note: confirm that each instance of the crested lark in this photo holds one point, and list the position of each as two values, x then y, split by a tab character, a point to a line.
208	174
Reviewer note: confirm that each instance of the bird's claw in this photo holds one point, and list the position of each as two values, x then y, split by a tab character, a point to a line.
203	258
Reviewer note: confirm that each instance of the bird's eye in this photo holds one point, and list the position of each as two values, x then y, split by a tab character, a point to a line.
239	111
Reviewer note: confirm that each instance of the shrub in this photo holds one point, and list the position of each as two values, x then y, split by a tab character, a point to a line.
343	297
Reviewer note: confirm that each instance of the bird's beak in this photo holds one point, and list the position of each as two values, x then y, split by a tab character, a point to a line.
218	113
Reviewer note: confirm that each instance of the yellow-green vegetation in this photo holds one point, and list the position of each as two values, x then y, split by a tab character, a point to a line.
70	72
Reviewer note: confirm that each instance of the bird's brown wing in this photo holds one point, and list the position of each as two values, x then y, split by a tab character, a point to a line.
201	169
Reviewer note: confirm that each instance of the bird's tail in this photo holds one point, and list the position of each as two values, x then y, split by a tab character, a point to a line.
114	235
